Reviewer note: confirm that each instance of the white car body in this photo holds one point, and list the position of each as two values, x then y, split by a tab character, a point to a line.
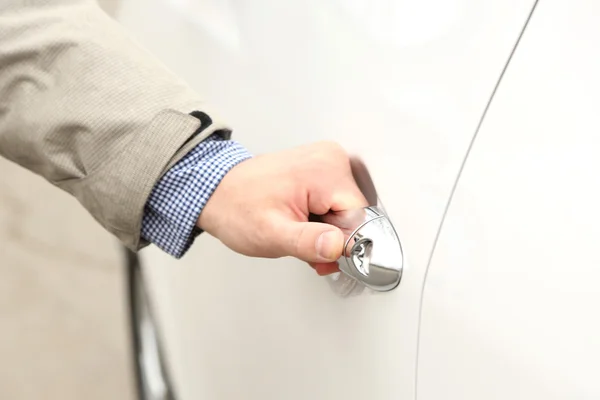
479	123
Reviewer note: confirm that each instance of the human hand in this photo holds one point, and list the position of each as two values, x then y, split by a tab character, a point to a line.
262	206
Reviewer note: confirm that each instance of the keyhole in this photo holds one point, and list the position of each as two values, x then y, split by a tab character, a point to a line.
361	255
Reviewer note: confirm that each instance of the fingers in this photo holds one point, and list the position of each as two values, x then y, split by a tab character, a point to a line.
348	198
347	220
325	268
334	188
339	195
309	241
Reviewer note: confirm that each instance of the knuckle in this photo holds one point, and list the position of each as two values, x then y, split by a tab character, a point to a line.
331	147
298	242
328	154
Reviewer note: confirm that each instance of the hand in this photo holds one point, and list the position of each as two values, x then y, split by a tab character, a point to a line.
261	207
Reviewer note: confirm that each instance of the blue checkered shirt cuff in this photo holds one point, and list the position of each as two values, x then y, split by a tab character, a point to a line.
177	200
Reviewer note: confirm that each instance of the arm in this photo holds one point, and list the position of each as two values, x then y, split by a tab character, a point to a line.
85	107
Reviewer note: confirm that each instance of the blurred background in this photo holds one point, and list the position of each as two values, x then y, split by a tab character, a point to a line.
63	316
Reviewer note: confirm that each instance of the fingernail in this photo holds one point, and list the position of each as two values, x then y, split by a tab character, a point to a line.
329	245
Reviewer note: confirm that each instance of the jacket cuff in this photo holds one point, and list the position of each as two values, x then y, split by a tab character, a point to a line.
116	193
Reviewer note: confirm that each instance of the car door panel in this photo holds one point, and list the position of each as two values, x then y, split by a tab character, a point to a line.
401	87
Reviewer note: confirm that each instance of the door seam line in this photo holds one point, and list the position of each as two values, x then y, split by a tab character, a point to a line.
455	185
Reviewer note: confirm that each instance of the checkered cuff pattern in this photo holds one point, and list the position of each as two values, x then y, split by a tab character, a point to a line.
177	200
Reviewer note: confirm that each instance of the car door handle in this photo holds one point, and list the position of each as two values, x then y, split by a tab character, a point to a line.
372	251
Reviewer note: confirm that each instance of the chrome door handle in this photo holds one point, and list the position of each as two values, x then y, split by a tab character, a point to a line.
372	253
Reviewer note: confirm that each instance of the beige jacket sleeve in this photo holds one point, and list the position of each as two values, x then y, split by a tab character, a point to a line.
85	107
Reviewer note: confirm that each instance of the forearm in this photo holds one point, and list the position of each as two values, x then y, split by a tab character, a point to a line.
82	105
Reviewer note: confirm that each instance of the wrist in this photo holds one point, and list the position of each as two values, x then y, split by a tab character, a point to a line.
212	214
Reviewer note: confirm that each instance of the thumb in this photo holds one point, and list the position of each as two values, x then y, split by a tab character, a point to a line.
311	241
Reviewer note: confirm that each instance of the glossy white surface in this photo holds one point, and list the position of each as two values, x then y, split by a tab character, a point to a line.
511	300
407	100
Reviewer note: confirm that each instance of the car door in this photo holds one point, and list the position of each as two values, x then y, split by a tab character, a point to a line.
510	307
402	85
